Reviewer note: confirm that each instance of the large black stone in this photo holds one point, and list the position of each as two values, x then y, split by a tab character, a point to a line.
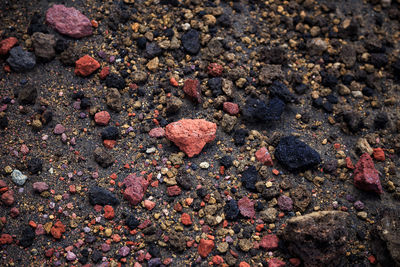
101	196
295	155
191	42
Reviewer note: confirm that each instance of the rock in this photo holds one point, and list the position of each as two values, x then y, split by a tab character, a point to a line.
269	242
102	118
7	44
268	215
44	45
239	136
366	177
385	237
379	154
192	89
275	262
40	187
174	104
70	256
7	198
348	55
35	165
285	203
231	108
69	56
245	244
173	191
263	156
301	197
102	157
114	80
177	241
153	50
250	178
104	73
27	94
68	21
110	133
191	135
280	90
215	69
246	207
86	65
59	129
152	65
57	230
295	155
362	146
228	122
139	77
318	238
257	110
269	73
184	181
215	84
353	121
157	132
132	222
191	41
27	237
231	210
113	100
316	46
136	186
20	60
102	196
18	178
205	247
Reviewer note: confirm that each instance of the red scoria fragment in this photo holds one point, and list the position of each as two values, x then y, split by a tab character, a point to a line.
379	154
7	44
57	230
173	190
7	198
102	118
191	135
269	242
69	21
205	247
274	262
231	108
192	89
215	69
246	207
5	239
366	177
136	186
104	73
263	156
86	65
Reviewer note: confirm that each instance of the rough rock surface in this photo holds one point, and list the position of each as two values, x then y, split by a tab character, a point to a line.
44	45
136	186
366	177
295	155
191	135
69	21
21	60
7	44
86	65
101	196
318	238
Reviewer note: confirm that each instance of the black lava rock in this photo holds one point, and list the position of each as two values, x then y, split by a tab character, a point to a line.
224	20
201	192
103	157
115	81
85	103
35	165
240	136
353	121
184	180
61	45
281	91
257	110
84	258
27	94
347	79
132	222
300	88
110	133
27	237
368	91
327	106
250	178
329	80
101	196
47	117
152	50
36	26
215	85
3	122
21	60
295	155
231	210
191	42
97	256
379	60
381	120
141	42
226	161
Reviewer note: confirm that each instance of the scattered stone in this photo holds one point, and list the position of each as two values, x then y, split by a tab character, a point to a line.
263	156
59	129
269	242
27	237
102	157
7	44
40	187
157	132
362	146
269	73
285	203
295	155
191	135
44	45
114	100
318	238
27	94
205	247
35	165
191	41
101	196
69	21
231	210
21	60
192	89
114	80
174	104
231	108
250	178
86	65
110	133
257	110
18	178
102	118
228	123
366	177
246	207
136	186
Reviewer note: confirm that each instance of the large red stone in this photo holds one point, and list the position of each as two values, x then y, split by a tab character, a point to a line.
7	198
192	89
246	207
263	156
102	118
69	21
57	230
191	135
136	186
86	65
7	44
205	247
366	177
231	108
269	242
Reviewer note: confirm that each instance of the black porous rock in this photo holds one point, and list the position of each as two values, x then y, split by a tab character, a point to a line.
110	133
295	155
102	196
113	80
281	91
250	178
191	42
231	210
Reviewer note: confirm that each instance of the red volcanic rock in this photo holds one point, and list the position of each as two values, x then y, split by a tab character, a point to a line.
246	207
366	177
102	118
69	21
205	247
231	108
192	89
191	135
263	156
7	44
86	65
215	69
136	186
269	242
